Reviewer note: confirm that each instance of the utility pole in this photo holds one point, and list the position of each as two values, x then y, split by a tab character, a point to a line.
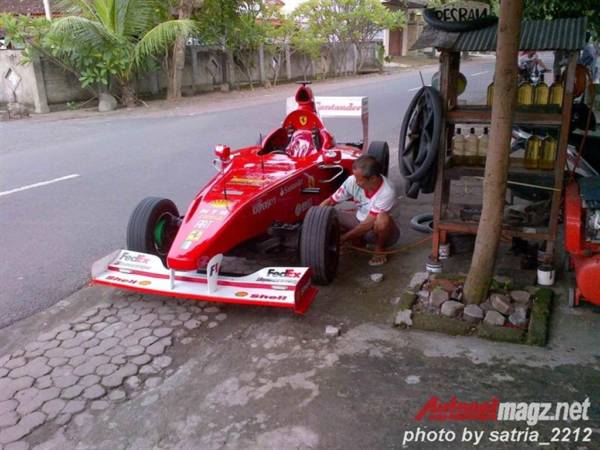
47	10
497	160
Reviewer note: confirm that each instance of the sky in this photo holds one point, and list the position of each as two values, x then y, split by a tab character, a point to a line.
290	5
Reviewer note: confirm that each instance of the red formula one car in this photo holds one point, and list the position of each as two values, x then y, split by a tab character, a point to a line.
264	196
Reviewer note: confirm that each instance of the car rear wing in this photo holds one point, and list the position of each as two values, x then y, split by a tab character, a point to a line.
283	287
340	108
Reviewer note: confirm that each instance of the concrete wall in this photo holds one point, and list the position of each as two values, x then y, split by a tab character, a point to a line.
43	83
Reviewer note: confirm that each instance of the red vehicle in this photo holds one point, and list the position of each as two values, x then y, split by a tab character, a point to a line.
264	196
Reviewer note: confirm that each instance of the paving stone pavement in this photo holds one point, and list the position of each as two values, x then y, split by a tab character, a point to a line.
106	355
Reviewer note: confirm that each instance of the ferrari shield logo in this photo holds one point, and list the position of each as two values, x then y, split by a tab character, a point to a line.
303	120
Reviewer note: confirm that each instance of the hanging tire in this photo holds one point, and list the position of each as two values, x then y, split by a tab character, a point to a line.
422	223
320	243
152	227
381	152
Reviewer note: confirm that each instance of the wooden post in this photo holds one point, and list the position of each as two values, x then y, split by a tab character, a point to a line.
562	152
496	165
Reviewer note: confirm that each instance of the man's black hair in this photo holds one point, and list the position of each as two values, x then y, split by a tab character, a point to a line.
367	165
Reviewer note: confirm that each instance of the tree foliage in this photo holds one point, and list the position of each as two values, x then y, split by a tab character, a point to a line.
555	9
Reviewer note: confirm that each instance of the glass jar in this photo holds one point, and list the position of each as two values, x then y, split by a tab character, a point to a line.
532	152
548	154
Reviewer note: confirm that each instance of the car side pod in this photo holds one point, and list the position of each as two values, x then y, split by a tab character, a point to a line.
283	287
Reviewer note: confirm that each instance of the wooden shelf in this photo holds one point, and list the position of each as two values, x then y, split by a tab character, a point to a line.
478	114
534	233
517	171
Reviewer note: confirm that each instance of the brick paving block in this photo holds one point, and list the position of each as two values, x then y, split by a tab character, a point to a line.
53	407
155	349
43	382
148	340
47	336
153	382
71	392
175	323
47	345
203	318
162	361
63	419
8	419
104	305
119	359
157	323
130	341
221	317
35	368
90	365
81	326
116	379
135	350
29	405
129	318
141	360
114	351
212	310
77	361
75	351
166	317
23	428
15	363
58	361
64	335
192	324
133	382
65	381
111	319
117	395
94	392
8	406
89	380
212	324
91	343
99	405
9	387
4	359
99	326
106	369
184	316
142	333
55	353
20	445
3	372
26	395
90	312
74	406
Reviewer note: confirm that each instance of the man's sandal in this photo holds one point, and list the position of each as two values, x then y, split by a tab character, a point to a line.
378	260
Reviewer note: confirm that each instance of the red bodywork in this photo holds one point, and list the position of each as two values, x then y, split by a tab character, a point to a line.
257	188
584	256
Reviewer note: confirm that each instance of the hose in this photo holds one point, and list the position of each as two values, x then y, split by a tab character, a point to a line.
391	252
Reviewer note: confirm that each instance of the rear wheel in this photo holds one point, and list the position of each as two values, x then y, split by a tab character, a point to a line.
381	152
152	227
320	243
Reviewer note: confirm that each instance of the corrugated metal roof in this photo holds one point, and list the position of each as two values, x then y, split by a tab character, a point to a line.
558	34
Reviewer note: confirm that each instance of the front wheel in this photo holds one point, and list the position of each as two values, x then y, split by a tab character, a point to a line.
320	243
152	227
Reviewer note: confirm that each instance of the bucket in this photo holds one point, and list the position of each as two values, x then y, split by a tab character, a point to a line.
432	266
444	251
545	275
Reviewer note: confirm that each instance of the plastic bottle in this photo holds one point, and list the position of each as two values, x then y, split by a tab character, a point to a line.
471	148
532	152
490	94
482	147
525	94
556	93
541	92
548	154
458	148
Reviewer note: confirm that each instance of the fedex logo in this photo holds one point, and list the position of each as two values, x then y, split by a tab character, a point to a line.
285	273
143	259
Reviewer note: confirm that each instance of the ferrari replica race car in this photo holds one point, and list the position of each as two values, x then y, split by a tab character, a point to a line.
263	197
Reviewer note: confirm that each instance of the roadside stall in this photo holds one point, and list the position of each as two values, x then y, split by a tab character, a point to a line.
537	162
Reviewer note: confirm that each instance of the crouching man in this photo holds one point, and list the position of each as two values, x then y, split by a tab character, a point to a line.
374	197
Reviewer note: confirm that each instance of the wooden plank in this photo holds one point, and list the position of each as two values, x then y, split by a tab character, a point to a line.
471	228
483	115
562	150
516	168
449	66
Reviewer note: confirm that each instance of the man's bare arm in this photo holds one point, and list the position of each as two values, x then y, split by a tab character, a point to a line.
328	202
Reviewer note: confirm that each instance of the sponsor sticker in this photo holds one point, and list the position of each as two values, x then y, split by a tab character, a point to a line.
303	120
285	190
302	207
186	245
241	294
213	214
268	297
195	235
262	205
310	180
283	273
145	283
221	203
247	181
121	280
130	261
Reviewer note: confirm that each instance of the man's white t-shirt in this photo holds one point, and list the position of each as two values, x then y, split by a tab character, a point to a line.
382	200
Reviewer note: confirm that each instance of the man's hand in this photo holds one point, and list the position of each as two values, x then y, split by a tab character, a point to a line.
328	202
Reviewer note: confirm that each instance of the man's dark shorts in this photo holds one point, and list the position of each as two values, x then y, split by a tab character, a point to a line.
348	221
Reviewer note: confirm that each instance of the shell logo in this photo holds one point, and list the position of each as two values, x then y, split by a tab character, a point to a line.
145	283
241	294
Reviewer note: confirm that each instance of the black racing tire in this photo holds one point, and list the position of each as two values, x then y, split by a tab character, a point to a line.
320	243
422	223
152	227
432	20
380	150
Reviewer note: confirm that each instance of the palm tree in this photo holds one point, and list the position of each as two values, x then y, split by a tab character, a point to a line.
115	39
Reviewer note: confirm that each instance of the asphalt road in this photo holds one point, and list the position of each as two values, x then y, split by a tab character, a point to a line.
99	168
